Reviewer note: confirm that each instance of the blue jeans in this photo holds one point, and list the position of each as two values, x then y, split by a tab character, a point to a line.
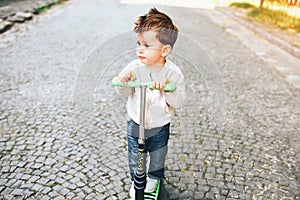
156	144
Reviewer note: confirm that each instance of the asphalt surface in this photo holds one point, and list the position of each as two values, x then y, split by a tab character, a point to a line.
63	128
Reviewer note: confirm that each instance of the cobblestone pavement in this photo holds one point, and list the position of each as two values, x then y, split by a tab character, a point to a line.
18	11
63	129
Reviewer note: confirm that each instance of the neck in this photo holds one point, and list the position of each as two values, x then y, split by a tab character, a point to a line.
156	67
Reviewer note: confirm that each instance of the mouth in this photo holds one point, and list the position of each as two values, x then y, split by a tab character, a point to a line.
141	57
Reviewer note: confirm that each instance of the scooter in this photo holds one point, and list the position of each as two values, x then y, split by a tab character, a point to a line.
140	173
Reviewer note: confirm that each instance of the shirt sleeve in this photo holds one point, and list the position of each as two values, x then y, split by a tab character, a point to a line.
176	99
126	91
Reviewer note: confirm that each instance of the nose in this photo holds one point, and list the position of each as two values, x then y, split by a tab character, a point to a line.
140	49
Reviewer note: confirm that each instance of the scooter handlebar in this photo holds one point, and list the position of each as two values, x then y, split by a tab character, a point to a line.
170	87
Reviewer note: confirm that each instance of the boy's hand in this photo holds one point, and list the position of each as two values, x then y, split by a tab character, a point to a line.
160	83
125	76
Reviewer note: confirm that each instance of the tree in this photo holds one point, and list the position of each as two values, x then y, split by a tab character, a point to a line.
261	3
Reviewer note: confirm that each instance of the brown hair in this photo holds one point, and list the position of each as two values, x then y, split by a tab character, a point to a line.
159	22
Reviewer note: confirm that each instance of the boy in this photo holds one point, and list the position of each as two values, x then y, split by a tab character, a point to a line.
156	36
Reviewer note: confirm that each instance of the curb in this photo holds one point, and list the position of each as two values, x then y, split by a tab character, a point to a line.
10	16
276	41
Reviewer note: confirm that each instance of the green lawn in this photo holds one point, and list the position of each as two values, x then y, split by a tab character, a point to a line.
277	17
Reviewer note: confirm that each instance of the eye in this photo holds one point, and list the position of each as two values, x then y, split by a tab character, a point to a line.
147	45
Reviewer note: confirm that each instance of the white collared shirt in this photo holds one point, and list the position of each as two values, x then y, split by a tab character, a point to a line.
159	105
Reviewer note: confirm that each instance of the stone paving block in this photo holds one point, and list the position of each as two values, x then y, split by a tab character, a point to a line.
224	192
21	164
10	182
64	191
3	181
57	188
71	195
216	183
1	188
80	184
26	185
122	195
87	189
209	175
46	190
90	196
5	169
68	177
70	185
6	191
203	188
17	184
12	176
50	177
83	175
73	171
100	188
30	159
17	192
43	181
40	159
8	196
64	168
59	197
45	197
74	180
80	195
37	172
37	187
110	192
233	194
60	180
12	168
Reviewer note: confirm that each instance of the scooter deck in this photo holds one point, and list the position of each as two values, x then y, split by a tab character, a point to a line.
153	195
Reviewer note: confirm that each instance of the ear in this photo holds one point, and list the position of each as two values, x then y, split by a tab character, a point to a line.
166	50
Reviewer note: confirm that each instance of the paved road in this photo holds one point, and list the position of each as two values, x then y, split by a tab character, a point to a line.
63	129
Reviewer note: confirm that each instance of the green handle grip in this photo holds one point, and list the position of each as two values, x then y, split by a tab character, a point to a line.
170	87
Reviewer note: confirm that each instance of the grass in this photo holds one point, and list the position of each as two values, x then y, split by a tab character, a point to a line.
228	2
278	18
47	7
274	17
244	5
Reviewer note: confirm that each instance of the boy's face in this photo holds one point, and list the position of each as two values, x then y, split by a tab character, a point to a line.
149	49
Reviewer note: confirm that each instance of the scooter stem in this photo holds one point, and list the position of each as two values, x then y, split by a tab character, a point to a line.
142	113
140	174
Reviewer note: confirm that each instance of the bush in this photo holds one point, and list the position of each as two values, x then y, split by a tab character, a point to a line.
242	5
278	18
255	12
